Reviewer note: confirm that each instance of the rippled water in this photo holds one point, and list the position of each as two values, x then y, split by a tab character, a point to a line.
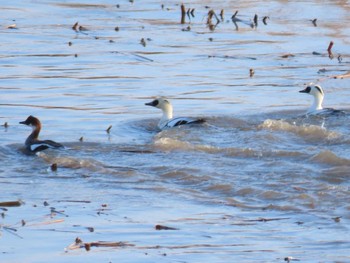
258	182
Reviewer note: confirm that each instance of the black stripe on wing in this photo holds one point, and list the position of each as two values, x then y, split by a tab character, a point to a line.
182	121
43	145
38	147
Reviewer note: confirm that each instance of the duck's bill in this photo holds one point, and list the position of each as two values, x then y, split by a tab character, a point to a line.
303	91
152	103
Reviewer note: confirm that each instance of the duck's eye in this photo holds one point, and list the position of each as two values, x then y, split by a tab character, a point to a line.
308	89
155	102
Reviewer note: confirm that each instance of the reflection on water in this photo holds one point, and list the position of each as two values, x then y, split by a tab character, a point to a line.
258	157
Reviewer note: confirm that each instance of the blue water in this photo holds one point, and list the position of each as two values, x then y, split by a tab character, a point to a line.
257	157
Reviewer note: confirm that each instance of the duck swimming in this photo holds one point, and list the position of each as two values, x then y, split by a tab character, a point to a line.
316	108
32	143
167	120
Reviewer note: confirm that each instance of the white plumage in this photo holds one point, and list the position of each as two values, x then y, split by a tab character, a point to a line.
167	120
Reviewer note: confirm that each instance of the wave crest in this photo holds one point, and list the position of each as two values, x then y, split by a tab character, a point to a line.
311	132
328	157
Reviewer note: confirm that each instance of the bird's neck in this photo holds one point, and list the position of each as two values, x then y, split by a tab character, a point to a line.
167	115
34	135
317	104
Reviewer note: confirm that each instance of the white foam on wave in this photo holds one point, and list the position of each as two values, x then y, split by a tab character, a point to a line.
171	144
311	132
168	144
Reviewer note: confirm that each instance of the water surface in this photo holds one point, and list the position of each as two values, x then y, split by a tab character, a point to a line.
258	182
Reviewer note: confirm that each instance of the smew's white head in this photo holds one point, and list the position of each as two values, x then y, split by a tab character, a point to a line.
317	92
164	105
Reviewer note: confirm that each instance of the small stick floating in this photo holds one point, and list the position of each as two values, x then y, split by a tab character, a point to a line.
183	14
11	203
234	15
143	42
314	22
347	75
13	26
264	20
256	20
80	244
251	72
75	27
161	227
53	167
329	49
109	129
222	14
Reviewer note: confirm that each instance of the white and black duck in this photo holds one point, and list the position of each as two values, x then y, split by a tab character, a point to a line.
316	108
167	121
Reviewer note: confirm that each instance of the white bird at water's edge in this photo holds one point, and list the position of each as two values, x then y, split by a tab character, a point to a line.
316	108
167	120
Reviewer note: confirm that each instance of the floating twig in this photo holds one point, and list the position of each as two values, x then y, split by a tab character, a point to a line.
264	20
267	219
11	230
53	167
337	219
187	29
222	12
75	201
192	12
80	244
183	14
6	125
347	75
109	129
80	29
212	14
340	58
255	20
287	55
233	17
143	42
329	50
56	221
13	26
235	20
161	227
54	212
91	229
11	203
75	27
314	22
251	72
